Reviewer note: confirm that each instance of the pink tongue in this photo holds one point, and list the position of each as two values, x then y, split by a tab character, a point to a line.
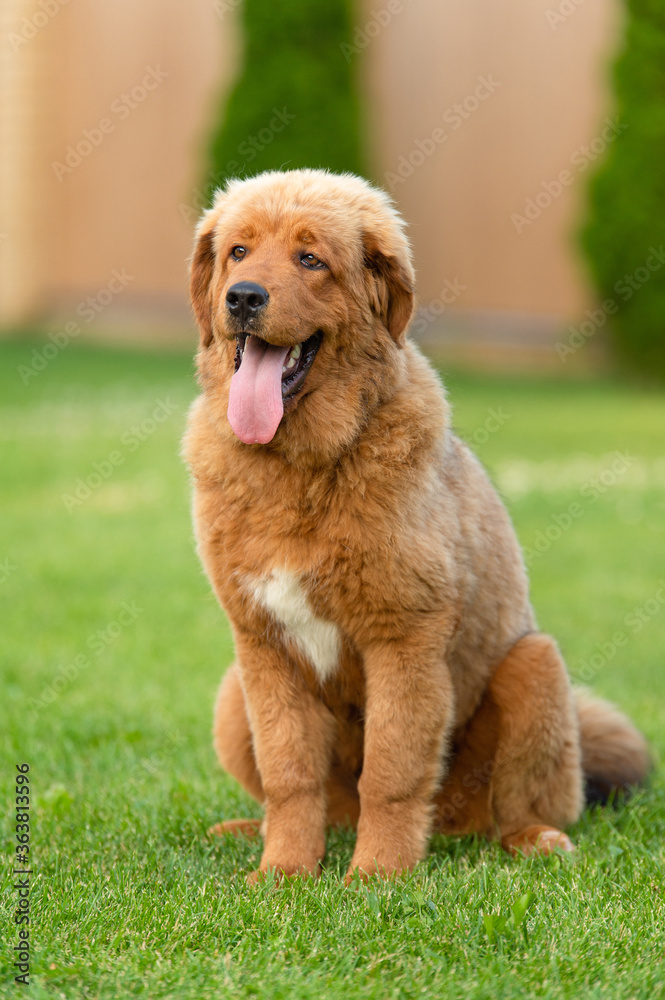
255	400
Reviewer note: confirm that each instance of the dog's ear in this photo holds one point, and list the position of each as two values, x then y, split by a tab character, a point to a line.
202	267
394	282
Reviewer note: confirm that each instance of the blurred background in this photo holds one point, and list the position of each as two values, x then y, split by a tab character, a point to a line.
503	131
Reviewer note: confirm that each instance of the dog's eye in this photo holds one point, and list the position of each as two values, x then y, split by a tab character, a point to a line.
309	260
238	253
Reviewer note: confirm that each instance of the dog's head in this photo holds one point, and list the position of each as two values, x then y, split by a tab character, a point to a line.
302	286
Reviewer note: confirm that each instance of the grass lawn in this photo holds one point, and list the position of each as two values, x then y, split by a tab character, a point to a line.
112	648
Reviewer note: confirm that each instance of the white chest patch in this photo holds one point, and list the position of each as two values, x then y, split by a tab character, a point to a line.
283	596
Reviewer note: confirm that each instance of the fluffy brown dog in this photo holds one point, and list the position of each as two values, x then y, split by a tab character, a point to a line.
389	672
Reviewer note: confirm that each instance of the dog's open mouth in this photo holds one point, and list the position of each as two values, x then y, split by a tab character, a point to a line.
296	364
266	377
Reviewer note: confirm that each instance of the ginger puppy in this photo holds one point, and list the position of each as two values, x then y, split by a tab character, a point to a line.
389	672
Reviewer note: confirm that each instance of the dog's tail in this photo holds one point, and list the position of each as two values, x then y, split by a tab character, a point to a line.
615	756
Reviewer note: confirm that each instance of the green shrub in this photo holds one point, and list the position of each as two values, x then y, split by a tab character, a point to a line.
626	218
295	103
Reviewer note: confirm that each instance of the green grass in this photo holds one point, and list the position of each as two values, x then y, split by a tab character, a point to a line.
128	897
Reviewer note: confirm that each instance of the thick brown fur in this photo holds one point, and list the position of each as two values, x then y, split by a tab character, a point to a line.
389	670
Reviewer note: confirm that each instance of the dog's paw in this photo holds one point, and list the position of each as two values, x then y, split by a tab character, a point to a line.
256	877
238	827
537	840
363	870
278	873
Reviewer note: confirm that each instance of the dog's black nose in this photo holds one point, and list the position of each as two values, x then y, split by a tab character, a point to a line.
245	300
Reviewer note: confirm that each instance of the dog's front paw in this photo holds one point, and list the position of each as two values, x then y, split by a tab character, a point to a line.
278	872
365	867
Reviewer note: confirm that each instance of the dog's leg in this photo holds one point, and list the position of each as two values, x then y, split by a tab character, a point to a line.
517	773
463	804
232	736
538	787
232	739
409	708
292	734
